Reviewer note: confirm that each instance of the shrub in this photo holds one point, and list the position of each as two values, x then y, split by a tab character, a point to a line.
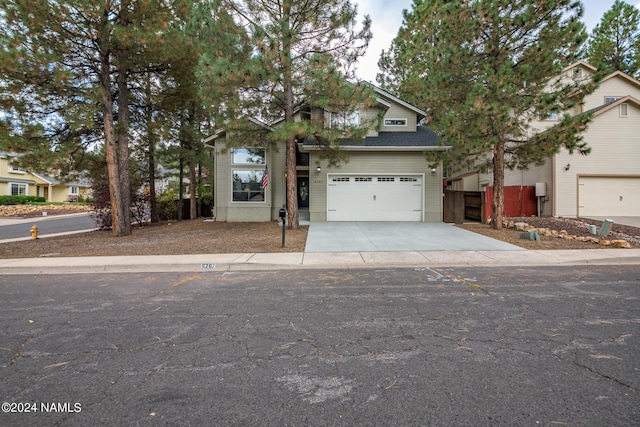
167	206
20	200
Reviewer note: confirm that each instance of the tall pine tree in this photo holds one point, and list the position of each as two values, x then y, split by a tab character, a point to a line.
614	44
67	70
295	51
483	70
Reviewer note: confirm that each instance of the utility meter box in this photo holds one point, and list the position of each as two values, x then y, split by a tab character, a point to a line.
541	189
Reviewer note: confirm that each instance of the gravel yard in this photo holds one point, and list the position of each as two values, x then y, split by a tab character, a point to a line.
200	236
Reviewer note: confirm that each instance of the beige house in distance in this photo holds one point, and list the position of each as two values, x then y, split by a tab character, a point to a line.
18	182
604	183
386	178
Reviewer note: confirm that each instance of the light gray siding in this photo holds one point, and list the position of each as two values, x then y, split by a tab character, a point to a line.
393	163
227	210
615	151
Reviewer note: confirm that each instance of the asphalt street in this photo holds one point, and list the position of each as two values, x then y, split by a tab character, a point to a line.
459	346
46	225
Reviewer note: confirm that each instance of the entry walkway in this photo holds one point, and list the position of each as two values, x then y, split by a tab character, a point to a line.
397	237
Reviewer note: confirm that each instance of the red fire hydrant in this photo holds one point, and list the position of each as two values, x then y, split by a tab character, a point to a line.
34	232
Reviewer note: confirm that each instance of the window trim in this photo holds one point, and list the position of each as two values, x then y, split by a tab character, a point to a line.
17	170
19	185
624	114
264	157
552	116
345	119
258	180
406	122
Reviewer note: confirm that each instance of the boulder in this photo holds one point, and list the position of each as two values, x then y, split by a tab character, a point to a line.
620	244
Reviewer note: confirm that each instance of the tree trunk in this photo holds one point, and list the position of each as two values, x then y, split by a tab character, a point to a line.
123	153
193	202
291	173
153	204
111	156
180	187
151	166
497	202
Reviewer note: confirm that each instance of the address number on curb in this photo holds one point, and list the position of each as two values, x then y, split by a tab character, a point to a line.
207	266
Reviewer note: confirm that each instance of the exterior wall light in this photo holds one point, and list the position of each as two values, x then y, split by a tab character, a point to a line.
318	169
567	167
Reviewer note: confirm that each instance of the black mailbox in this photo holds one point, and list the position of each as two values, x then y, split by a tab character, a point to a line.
282	213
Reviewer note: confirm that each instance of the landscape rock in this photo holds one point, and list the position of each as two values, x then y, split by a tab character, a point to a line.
620	244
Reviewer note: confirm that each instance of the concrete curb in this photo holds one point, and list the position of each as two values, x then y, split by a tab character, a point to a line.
301	260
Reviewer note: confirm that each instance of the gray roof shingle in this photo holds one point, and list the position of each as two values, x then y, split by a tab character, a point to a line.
423	137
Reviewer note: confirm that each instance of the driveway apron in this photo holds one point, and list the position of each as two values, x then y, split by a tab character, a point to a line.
397	237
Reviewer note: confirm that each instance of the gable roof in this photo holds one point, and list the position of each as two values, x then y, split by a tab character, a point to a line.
607	107
421	114
580	63
622	75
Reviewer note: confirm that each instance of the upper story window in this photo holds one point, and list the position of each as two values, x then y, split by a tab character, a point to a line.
248	156
553	116
610	99
395	122
15	169
624	110
577	73
343	120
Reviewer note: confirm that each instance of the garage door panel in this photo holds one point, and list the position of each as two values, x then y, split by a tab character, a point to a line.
609	196
374	198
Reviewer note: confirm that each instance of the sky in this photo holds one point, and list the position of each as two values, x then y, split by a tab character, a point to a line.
386	17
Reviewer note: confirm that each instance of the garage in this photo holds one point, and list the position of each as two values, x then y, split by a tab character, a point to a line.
374	197
608	196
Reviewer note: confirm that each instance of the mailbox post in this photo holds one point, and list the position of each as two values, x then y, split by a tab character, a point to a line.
283	216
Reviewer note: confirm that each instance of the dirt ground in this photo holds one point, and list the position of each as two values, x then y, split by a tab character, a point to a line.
200	236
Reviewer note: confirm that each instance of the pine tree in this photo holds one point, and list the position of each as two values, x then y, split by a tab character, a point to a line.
482	69
614	44
68	70
294	51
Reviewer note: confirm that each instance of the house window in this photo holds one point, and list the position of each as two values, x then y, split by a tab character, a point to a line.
247	185
395	122
577	73
344	120
73	190
624	110
553	116
18	189
15	169
248	156
610	99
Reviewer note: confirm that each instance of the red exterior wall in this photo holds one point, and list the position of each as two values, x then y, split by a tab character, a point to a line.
518	201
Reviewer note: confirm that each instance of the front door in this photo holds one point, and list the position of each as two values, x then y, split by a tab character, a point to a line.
303	192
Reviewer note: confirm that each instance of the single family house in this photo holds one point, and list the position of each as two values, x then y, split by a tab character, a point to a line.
606	182
18	182
387	177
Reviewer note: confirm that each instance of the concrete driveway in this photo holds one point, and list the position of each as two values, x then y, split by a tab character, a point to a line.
397	237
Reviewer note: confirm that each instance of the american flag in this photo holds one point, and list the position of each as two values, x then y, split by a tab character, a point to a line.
265	177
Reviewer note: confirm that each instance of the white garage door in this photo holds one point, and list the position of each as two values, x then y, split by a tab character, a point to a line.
608	196
374	198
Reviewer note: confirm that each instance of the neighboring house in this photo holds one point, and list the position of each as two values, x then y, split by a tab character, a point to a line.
386	178
18	182
604	183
